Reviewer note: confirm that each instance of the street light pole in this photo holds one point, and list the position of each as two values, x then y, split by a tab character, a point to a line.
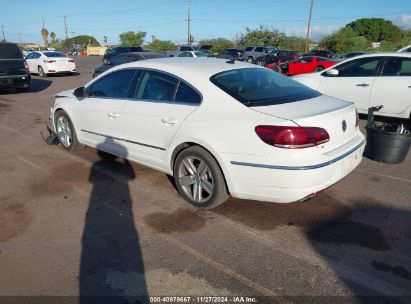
308	27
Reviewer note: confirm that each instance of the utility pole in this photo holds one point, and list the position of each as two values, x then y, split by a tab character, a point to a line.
188	23
65	27
2	30
308	28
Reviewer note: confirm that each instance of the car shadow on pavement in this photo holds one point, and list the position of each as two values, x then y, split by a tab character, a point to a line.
38	85
366	243
111	267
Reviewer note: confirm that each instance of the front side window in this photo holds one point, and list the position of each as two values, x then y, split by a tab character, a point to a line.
364	67
248	49
261	87
156	86
305	59
396	66
114	85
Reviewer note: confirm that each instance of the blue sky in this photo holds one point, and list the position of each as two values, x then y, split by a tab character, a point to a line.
166	19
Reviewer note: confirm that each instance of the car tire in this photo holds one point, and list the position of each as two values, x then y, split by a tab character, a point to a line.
319	68
199	179
42	74
250	60
66	133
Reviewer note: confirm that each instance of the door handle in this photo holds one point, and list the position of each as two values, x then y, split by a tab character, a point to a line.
169	121
362	85
113	115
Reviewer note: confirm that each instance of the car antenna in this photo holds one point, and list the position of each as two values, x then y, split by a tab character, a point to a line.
231	61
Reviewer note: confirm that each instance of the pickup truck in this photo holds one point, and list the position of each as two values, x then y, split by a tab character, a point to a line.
14	71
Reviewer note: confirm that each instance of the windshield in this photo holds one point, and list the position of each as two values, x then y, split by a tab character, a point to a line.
261	87
53	54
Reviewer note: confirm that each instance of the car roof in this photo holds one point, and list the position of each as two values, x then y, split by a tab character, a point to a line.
390	54
188	68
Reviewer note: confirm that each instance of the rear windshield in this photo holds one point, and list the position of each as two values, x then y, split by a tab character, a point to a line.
256	87
54	54
9	51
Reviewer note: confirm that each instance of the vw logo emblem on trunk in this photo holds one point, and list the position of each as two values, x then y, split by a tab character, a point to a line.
344	125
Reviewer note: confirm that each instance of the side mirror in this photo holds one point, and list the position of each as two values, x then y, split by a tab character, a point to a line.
332	72
80	92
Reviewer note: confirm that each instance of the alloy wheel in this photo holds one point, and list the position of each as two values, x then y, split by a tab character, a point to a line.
196	179
64	132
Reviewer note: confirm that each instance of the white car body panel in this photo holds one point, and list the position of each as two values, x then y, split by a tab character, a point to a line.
394	93
224	127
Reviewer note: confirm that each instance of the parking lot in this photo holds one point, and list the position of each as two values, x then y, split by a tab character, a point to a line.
85	223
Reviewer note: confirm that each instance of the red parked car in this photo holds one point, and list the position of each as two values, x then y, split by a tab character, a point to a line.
309	64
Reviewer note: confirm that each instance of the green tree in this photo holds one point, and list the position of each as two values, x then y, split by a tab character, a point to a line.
53	37
45	34
82	40
105	40
345	40
376	29
263	36
218	44
161	45
293	43
132	38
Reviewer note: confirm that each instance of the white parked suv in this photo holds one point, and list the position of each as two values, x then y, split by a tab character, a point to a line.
219	127
50	62
368	80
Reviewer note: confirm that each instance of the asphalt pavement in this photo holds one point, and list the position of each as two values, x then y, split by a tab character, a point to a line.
85	223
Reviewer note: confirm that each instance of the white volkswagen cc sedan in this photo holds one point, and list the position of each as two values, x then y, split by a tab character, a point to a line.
219	127
367	81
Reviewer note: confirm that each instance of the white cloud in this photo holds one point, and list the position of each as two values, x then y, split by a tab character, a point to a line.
316	32
403	21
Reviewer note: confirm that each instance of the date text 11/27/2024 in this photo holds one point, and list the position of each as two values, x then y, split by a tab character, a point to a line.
203	299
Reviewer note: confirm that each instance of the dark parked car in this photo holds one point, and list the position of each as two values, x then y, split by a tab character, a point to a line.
110	53
124	58
14	71
321	53
352	54
236	54
277	57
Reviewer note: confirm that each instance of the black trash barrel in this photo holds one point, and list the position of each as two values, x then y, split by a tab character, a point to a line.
387	147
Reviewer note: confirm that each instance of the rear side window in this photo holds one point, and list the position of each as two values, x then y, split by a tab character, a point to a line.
259	49
365	67
187	94
114	85
395	66
261	87
10	51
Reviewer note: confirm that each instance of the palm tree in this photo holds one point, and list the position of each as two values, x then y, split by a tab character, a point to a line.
45	34
53	37
105	40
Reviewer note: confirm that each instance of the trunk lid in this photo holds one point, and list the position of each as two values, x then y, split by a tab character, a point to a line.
336	116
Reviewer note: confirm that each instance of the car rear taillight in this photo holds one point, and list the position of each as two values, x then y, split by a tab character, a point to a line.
292	137
26	67
49	60
295	56
357	119
71	60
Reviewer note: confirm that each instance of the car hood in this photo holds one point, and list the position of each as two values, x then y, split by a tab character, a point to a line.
102	68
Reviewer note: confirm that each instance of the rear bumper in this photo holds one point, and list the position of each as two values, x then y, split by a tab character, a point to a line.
286	184
18	81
